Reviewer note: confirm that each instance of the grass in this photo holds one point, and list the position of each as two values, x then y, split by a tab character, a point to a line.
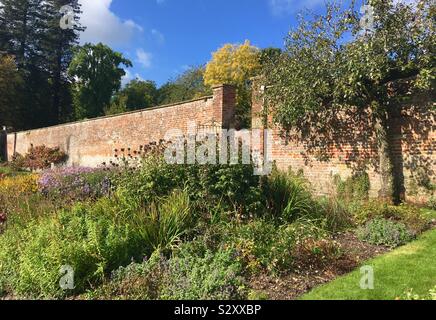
410	267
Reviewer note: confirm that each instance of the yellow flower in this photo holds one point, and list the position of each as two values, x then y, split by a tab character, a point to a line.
19	184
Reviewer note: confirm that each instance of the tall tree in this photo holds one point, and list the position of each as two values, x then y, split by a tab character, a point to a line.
31	32
235	64
135	95
189	85
98	72
11	83
21	29
334	63
58	47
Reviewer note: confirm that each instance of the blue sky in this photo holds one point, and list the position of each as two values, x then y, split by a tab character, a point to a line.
164	37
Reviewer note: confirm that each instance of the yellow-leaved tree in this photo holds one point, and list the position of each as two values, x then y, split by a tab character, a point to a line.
235	64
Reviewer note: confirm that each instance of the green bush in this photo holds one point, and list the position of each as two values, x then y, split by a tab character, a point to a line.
234	187
261	245
355	187
208	276
409	215
162	223
432	203
187	275
288	196
335	213
93	240
385	232
137	281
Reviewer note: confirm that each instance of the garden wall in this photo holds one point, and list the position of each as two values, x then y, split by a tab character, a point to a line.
343	151
350	147
92	142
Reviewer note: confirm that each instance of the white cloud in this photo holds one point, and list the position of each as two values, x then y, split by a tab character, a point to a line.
102	25
158	36
279	7
129	76
144	58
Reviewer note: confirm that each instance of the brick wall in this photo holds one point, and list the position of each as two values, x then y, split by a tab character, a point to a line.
92	142
341	151
347	148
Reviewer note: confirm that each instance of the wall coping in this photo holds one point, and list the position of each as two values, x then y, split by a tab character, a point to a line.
205	98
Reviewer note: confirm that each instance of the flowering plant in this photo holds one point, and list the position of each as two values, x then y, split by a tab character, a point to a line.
76	183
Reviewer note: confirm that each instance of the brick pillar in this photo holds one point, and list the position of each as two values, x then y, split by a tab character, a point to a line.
258	120
3	144
224	101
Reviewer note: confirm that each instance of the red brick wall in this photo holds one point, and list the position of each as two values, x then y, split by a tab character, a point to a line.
92	142
347	148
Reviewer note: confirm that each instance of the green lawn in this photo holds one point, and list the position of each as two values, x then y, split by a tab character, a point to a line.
411	266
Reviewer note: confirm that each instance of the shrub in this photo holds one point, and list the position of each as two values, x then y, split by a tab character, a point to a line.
262	245
355	187
208	276
335	213
409	215
432	203
288	196
234	187
385	232
40	157
137	281
20	209
187	275
92	239
164	222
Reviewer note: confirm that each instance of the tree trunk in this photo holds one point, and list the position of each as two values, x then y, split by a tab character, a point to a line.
388	191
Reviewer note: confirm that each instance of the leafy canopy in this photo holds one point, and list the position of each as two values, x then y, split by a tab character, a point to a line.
331	63
233	64
98	73
137	94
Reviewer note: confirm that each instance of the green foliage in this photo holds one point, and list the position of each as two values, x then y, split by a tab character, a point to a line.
97	68
29	31
189	85
92	239
320	70
355	187
10	84
385	232
163	223
432	203
335	213
288	196
260	244
137	281
234	187
186	275
209	276
136	95
411	216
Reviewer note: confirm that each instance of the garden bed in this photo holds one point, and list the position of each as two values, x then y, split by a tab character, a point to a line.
294	285
158	231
